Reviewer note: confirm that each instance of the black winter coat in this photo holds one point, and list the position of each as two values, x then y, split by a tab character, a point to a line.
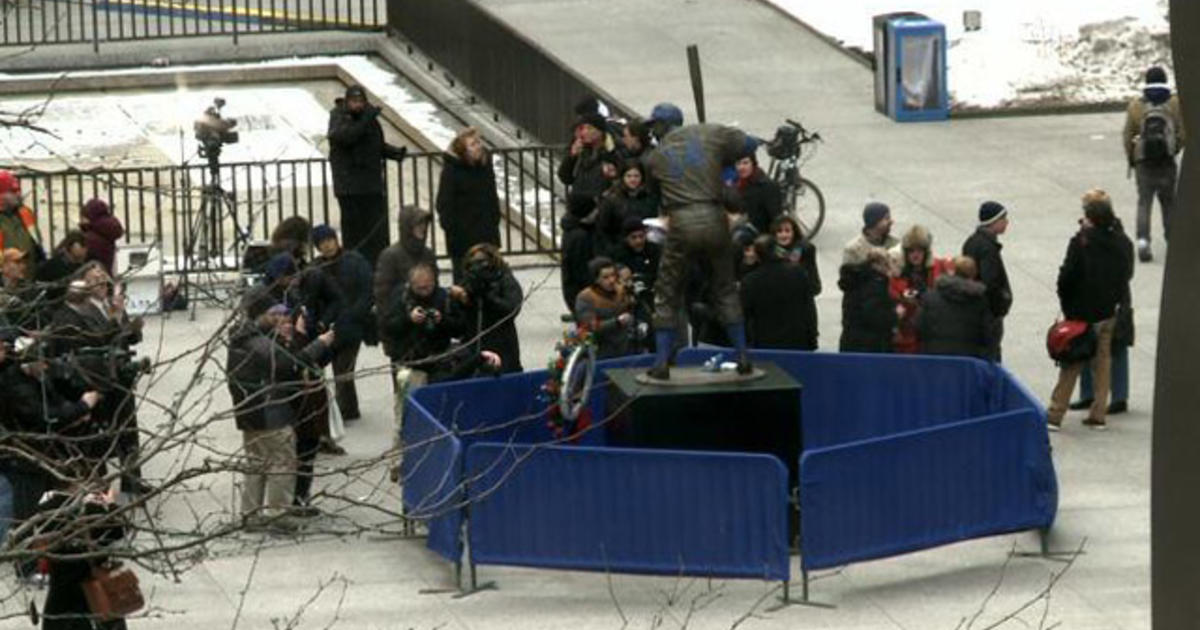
955	318
265	377
868	312
351	277
57	271
1094	277
778	304
615	206
66	605
761	200
643	264
584	173
357	151
468	205
502	301
39	413
391	270
410	342
984	247
578	249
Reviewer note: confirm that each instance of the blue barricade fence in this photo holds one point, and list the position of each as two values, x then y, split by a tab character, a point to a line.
629	510
431	470
925	488
883	435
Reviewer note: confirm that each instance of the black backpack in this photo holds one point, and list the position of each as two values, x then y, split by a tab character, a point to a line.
1156	142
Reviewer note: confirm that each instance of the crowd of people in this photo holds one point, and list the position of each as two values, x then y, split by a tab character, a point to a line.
744	274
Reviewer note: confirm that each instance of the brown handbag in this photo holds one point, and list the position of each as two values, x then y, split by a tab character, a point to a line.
113	592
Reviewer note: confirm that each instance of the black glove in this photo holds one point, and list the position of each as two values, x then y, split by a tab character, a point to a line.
372	112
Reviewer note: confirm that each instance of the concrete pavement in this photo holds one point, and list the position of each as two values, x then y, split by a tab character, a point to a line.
760	68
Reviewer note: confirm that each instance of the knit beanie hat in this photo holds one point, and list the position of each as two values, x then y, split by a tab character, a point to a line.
631	225
322	232
1156	75
873	213
991	212
593	120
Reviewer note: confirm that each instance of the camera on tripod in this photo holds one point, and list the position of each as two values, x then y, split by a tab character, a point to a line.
213	131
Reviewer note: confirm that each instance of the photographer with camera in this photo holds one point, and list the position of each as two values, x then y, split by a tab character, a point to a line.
36	415
606	310
422	322
356	154
93	332
265	380
491	298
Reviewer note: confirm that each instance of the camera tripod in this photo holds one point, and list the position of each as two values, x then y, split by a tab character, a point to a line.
204	251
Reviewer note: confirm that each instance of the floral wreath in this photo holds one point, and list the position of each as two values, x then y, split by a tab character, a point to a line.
551	392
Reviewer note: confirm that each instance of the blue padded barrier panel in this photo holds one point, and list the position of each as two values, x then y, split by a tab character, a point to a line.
629	510
850	397
431	480
925	488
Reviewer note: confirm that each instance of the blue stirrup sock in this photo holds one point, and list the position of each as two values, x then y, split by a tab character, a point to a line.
737	335
664	342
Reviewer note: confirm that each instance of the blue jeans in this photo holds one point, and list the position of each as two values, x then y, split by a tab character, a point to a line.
1120	377
6	506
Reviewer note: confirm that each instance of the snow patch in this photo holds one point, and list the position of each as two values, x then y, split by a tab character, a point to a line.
1027	51
276	123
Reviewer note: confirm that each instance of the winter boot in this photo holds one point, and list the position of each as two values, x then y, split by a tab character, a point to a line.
1145	254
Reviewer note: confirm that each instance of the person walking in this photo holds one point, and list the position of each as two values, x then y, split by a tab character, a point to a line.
468	206
983	246
1091	285
1153	136
356	154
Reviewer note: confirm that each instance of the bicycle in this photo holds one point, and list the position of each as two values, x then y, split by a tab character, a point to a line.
802	199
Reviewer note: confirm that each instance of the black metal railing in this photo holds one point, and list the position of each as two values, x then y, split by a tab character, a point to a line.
163	205
512	73
41	22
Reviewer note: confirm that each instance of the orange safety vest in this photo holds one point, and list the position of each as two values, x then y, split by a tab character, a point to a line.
29	220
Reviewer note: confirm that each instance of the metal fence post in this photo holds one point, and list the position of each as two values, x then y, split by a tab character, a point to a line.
95	28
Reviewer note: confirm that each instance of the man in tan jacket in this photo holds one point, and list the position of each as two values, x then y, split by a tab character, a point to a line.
1153	136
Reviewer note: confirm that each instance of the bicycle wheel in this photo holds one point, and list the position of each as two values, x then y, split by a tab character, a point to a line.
807	206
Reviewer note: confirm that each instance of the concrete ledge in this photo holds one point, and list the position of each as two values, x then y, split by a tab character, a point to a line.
206	49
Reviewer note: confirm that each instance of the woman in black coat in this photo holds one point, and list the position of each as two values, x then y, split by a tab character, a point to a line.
629	197
66	605
868	312
491	298
468	205
955	317
777	302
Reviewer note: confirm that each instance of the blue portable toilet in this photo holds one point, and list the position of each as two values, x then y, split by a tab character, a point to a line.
910	72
